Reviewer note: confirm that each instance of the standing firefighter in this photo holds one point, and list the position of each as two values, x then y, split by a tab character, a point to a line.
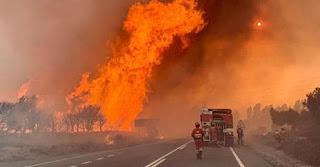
240	136
197	135
240	128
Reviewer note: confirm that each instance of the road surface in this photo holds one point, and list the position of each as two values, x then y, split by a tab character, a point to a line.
169	153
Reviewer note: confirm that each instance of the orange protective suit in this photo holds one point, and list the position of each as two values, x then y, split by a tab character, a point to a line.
197	135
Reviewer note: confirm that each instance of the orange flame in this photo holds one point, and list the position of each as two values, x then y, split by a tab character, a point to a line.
23	90
120	87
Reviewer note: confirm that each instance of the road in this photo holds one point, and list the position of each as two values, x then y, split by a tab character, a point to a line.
169	153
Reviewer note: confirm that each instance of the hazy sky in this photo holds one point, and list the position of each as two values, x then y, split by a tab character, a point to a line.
53	42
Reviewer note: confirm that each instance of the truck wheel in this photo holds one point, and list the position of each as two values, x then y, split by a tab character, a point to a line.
226	143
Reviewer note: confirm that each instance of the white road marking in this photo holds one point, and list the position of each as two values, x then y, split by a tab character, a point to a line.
237	158
97	153
159	162
182	147
50	162
164	156
111	155
84	163
73	166
99	159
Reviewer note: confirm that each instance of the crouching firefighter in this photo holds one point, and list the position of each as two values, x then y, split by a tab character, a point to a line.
197	135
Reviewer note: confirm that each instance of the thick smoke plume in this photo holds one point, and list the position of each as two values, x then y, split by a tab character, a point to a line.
235	64
53	42
230	64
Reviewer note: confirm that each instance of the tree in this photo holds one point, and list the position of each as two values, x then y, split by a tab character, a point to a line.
101	121
256	108
21	116
70	121
313	103
298	106
284	117
87	117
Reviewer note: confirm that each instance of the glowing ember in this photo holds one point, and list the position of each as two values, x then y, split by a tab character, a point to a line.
121	84
23	90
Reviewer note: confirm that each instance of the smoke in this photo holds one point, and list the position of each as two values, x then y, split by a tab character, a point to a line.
53	42
230	64
235	64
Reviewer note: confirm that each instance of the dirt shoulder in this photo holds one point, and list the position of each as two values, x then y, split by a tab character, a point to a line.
42	146
268	149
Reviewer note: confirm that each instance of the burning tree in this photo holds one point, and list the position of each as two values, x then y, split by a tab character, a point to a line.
89	115
84	119
120	87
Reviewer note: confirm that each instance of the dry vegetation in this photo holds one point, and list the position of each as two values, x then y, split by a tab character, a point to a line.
35	146
301	122
28	132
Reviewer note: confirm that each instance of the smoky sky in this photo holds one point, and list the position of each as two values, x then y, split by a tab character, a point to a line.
52	43
230	64
234	64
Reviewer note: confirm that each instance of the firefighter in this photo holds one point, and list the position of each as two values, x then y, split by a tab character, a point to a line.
197	135
240	135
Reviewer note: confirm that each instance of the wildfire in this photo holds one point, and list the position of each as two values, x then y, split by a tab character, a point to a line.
120	87
108	140
23	90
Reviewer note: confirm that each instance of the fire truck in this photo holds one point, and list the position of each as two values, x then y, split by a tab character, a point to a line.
218	126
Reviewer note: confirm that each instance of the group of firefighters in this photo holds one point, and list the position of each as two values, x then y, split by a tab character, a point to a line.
198	134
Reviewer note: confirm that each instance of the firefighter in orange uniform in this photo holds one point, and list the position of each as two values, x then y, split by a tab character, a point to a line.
197	135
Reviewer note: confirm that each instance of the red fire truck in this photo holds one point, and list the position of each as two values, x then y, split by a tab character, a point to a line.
218	126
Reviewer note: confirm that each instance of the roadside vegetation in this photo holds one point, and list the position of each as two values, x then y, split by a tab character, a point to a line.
28	131
24	117
292	129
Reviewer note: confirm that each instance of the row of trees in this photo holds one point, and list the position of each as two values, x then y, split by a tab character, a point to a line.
21	116
267	117
25	117
306	111
258	118
284	117
302	112
84	119
303	140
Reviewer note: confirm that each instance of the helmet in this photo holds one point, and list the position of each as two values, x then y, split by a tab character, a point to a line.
197	124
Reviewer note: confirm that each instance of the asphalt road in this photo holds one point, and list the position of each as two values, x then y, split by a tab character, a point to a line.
170	153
